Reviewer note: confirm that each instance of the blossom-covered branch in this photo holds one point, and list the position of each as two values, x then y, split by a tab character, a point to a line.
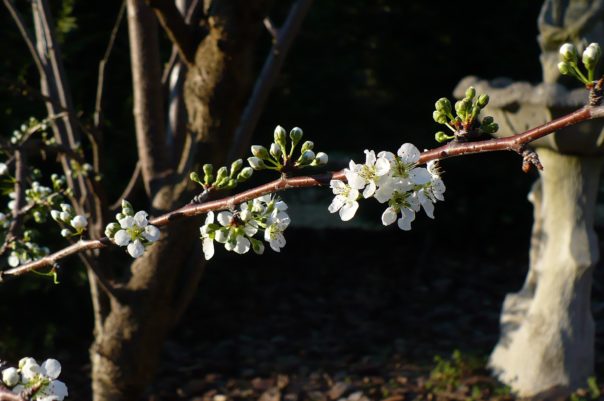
454	148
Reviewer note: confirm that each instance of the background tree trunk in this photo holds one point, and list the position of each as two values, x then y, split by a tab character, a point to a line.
129	334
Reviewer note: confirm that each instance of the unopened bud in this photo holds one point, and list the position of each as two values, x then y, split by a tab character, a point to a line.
65	233
483	100
487	120
564	68
221	174
208	169
568	53
256	163
260	151
308	145
55	214
490	128
195	177
591	56
441	137
439	117
235	167
64	216
245	174
127	208
295	135
280	135
276	151
470	92
443	105
320	159
307	157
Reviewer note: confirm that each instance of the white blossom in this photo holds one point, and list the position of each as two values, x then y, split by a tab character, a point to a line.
79	222
134	231
345	201
10	377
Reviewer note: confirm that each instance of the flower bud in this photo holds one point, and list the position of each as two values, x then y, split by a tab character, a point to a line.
65	233
235	167
308	145
564	68
280	135
439	117
306	157
221	174
195	177
568	53
127	208
256	163
208	169
111	229
490	128
320	159
55	214
10	377
38	217
245	174
441	137
295	135
260	151
276	151
470	92
483	100
66	207
79	222
443	105
64	216
487	120
591	56
462	107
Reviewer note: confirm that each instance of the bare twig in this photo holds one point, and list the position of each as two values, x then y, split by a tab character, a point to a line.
134	179
268	76
15	224
98	112
512	143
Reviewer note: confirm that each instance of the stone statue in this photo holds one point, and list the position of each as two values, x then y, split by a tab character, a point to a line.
546	347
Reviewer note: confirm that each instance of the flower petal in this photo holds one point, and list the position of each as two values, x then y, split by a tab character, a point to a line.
136	248
151	233
224	218
140	218
407	216
409	153
389	216
209	217
121	238
348	210
208	248
243	245
336	204
51	368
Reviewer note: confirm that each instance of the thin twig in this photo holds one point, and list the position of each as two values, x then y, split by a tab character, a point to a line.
98	112
134	179
267	77
511	143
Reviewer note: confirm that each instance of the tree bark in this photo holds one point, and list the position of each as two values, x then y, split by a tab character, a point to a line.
547	341
161	283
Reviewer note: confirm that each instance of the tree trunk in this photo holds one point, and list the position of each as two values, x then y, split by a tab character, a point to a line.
129	335
547	342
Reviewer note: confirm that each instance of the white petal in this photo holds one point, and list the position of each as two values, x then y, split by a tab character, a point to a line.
221	235
413	202
224	218
136	248
426	204
369	157
243	245
251	228
389	216
438	188
51	368
121	238
404	223
10	377
151	233
209	217
337	186
127	222
382	167
281	206
30	369
420	176
58	390
336	204
409	153
355	180
140	218
277	242
208	248
348	210
369	190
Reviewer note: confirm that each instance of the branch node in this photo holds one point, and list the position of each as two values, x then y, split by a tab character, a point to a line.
596	93
529	158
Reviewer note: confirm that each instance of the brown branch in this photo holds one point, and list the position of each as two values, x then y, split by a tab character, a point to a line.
268	76
512	143
185	37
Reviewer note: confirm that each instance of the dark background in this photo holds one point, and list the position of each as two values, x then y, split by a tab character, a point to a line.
361	74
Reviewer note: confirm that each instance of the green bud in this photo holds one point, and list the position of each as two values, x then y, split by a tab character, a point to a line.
256	163
232	183
308	145
280	136
260	151
483	100
564	68
195	177
296	135
490	128
221	174
470	92
439	117
127	208
462	107
38	217
235	167
441	137
591	56
306	157
111	229
443	105
208	169
487	120
568	53
245	174
276	151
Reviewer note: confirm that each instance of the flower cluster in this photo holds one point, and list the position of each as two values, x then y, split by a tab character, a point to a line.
236	229
390	178
280	158
26	250
36	382
569	58
66	217
224	179
132	230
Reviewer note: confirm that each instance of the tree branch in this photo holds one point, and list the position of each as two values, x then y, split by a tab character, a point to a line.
266	80
452	149
184	36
